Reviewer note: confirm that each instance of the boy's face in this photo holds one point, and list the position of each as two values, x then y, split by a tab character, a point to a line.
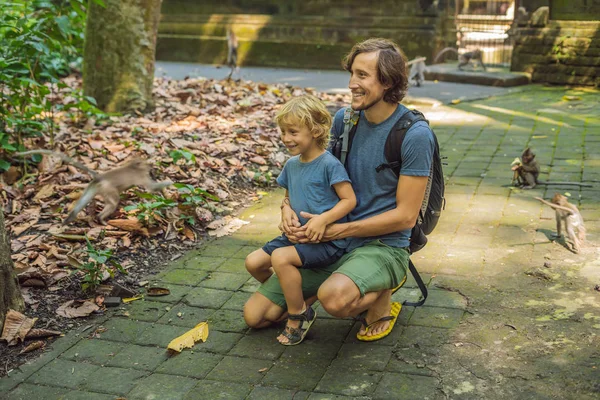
297	138
364	83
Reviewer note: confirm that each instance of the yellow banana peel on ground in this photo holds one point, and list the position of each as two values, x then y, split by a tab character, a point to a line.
188	339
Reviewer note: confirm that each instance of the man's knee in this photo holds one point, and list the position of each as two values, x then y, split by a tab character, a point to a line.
260	312
337	295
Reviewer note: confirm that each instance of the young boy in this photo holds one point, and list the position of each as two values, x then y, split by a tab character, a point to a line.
315	182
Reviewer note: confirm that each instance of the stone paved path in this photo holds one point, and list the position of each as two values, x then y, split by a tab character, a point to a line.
497	324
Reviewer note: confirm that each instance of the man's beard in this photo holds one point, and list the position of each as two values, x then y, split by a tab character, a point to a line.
369	105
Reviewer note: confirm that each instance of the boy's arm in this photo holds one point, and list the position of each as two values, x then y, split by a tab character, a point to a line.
344	206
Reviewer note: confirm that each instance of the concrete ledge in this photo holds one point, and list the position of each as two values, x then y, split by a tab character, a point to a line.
499	77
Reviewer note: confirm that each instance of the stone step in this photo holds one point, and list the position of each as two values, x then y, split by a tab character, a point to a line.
500	77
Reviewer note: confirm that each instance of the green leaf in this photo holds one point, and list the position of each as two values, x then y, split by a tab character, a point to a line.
4	165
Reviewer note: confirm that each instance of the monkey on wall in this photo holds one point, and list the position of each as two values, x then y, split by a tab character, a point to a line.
474	58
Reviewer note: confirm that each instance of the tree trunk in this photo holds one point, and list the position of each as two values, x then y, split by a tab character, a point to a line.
10	294
120	45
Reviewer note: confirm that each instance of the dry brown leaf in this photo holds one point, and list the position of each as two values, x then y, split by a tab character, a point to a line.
225	226
190	234
18	229
38	344
188	339
130	225
11	175
41	333
157	291
45	192
77	309
16	327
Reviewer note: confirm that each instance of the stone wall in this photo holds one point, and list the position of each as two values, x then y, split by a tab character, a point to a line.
563	52
295	33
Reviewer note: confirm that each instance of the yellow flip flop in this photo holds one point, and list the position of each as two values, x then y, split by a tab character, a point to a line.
394	312
402	282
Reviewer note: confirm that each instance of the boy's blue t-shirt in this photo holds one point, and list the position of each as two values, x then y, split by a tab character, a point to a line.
310	185
376	191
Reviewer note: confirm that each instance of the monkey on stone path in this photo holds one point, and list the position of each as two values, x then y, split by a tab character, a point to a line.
417	70
526	173
569	215
465	58
108	184
232	52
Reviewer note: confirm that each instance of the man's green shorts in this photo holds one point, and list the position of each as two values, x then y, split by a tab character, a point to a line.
372	267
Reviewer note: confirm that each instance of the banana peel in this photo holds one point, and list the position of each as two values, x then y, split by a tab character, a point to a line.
188	339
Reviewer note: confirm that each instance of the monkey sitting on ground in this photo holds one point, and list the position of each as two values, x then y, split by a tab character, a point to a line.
417	71
108	184
569	215
527	170
232	52
464	59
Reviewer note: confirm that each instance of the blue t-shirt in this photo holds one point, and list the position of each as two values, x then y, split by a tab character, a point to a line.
376	191
310	185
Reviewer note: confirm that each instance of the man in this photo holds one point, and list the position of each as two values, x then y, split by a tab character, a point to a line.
377	258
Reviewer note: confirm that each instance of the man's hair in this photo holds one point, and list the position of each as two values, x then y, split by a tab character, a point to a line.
309	111
391	66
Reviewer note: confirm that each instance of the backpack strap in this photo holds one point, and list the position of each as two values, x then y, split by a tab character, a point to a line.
350	123
396	138
420	284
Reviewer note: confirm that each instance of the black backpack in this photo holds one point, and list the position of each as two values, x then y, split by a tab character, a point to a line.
433	202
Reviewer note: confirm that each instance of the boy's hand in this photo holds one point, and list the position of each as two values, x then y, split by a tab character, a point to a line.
289	220
315	228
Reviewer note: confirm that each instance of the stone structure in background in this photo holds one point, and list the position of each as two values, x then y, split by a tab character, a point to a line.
567	49
299	33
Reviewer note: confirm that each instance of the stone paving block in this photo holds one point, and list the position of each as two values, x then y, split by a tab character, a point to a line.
190	363
93	351
182	276
144	310
220	250
323	396
297	376
206	297
354	383
413	361
218	390
260	343
177	292
312	352
219	342
163	387
472	241
184	315
145	358
123	330
401	386
273	393
436	317
237	301
79	395
234	265
160	335
27	391
201	262
250	286
362	357
329	330
243	252
63	373
445	298
118	381
228	321
238	369
224	281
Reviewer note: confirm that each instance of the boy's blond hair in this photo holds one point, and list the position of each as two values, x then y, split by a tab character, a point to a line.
309	111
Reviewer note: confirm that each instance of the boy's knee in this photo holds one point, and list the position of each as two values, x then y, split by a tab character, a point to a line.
253	262
279	257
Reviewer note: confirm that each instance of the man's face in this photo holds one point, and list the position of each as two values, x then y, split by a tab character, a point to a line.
364	84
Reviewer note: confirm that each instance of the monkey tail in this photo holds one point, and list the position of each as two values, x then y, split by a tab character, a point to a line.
63	157
444	51
86	197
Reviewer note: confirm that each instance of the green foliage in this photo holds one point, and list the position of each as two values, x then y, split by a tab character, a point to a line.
177	155
150	211
100	261
192	196
40	41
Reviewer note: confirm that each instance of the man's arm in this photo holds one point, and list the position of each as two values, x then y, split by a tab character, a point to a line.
409	197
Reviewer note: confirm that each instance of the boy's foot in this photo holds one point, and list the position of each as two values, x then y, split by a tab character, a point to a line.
297	327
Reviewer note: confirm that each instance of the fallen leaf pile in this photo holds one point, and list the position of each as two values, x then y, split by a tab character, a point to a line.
19	328
216	139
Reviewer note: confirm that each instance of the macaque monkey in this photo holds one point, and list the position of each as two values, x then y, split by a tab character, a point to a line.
232	52
465	58
417	70
569	215
108	184
527	170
